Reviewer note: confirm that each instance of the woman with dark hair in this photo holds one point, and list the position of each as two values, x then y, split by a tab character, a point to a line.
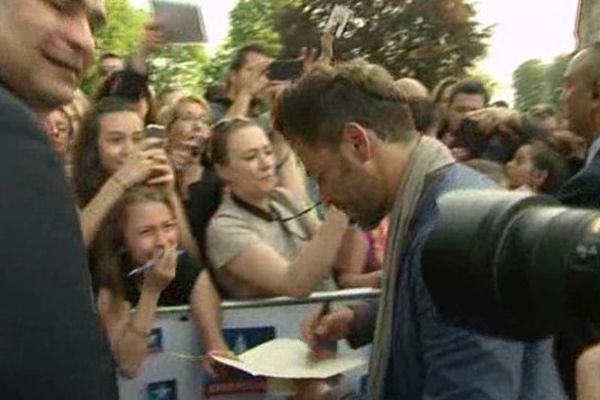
142	230
537	167
132	87
262	241
244	84
110	156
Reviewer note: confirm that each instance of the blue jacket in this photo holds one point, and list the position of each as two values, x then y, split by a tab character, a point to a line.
431	360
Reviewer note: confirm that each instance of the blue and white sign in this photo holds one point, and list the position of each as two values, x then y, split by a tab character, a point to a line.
155	343
165	390
243	339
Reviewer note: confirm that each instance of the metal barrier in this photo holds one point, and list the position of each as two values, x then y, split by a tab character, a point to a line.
245	325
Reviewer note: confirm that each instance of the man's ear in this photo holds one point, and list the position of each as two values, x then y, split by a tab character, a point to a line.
357	140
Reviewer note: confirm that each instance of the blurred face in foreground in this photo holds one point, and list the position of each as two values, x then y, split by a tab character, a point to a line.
46	45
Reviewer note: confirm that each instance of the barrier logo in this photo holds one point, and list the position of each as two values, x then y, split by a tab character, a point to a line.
155	343
164	390
240	340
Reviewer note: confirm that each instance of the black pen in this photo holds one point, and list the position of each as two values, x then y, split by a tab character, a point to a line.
325	309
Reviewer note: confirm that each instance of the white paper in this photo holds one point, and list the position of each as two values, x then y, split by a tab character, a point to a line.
182	22
290	359
340	15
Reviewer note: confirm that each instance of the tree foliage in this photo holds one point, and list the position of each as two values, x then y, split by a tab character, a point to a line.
536	82
251	21
425	39
180	67
123	29
120	35
528	80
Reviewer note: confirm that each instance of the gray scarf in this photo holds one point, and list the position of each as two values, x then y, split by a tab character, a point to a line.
428	156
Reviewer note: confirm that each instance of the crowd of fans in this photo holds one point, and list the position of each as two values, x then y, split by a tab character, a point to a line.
209	192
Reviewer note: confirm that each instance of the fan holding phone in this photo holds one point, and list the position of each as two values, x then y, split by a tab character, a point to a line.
111	156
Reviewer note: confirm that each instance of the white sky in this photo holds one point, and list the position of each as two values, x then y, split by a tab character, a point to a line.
525	29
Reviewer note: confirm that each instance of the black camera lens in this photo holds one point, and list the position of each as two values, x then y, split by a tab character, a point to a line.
513	264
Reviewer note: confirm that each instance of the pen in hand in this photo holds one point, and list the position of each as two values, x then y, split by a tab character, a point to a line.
324	349
148	266
325	309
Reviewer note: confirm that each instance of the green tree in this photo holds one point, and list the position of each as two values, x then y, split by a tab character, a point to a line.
251	21
120	35
554	79
426	39
181	67
123	29
528	81
536	82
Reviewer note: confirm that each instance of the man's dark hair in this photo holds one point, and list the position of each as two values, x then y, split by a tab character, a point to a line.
546	158
469	86
500	103
109	54
426	114
239	59
316	109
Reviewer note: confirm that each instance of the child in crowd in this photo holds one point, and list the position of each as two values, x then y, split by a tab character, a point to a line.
142	230
537	167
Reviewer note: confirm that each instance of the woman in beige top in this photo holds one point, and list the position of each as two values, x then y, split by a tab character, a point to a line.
261	242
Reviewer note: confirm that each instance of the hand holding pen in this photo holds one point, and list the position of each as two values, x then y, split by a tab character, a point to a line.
148	265
323	329
160	270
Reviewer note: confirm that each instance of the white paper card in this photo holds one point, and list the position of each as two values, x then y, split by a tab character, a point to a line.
340	15
290	359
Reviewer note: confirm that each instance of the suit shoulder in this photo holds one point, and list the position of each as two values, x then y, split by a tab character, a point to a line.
16	117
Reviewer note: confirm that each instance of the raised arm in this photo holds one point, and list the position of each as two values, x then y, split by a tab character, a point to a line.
129	333
262	267
138	167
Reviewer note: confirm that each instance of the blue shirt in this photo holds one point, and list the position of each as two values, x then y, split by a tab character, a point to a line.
431	360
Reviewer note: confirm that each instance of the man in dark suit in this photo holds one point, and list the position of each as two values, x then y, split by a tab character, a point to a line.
582	108
51	343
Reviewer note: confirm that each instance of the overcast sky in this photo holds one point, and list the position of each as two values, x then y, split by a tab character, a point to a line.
525	29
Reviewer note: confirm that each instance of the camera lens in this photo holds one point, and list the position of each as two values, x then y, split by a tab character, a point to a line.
513	264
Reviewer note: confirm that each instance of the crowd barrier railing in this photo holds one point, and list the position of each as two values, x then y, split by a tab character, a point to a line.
167	376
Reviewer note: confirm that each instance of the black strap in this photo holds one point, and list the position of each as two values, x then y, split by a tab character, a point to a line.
258	212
